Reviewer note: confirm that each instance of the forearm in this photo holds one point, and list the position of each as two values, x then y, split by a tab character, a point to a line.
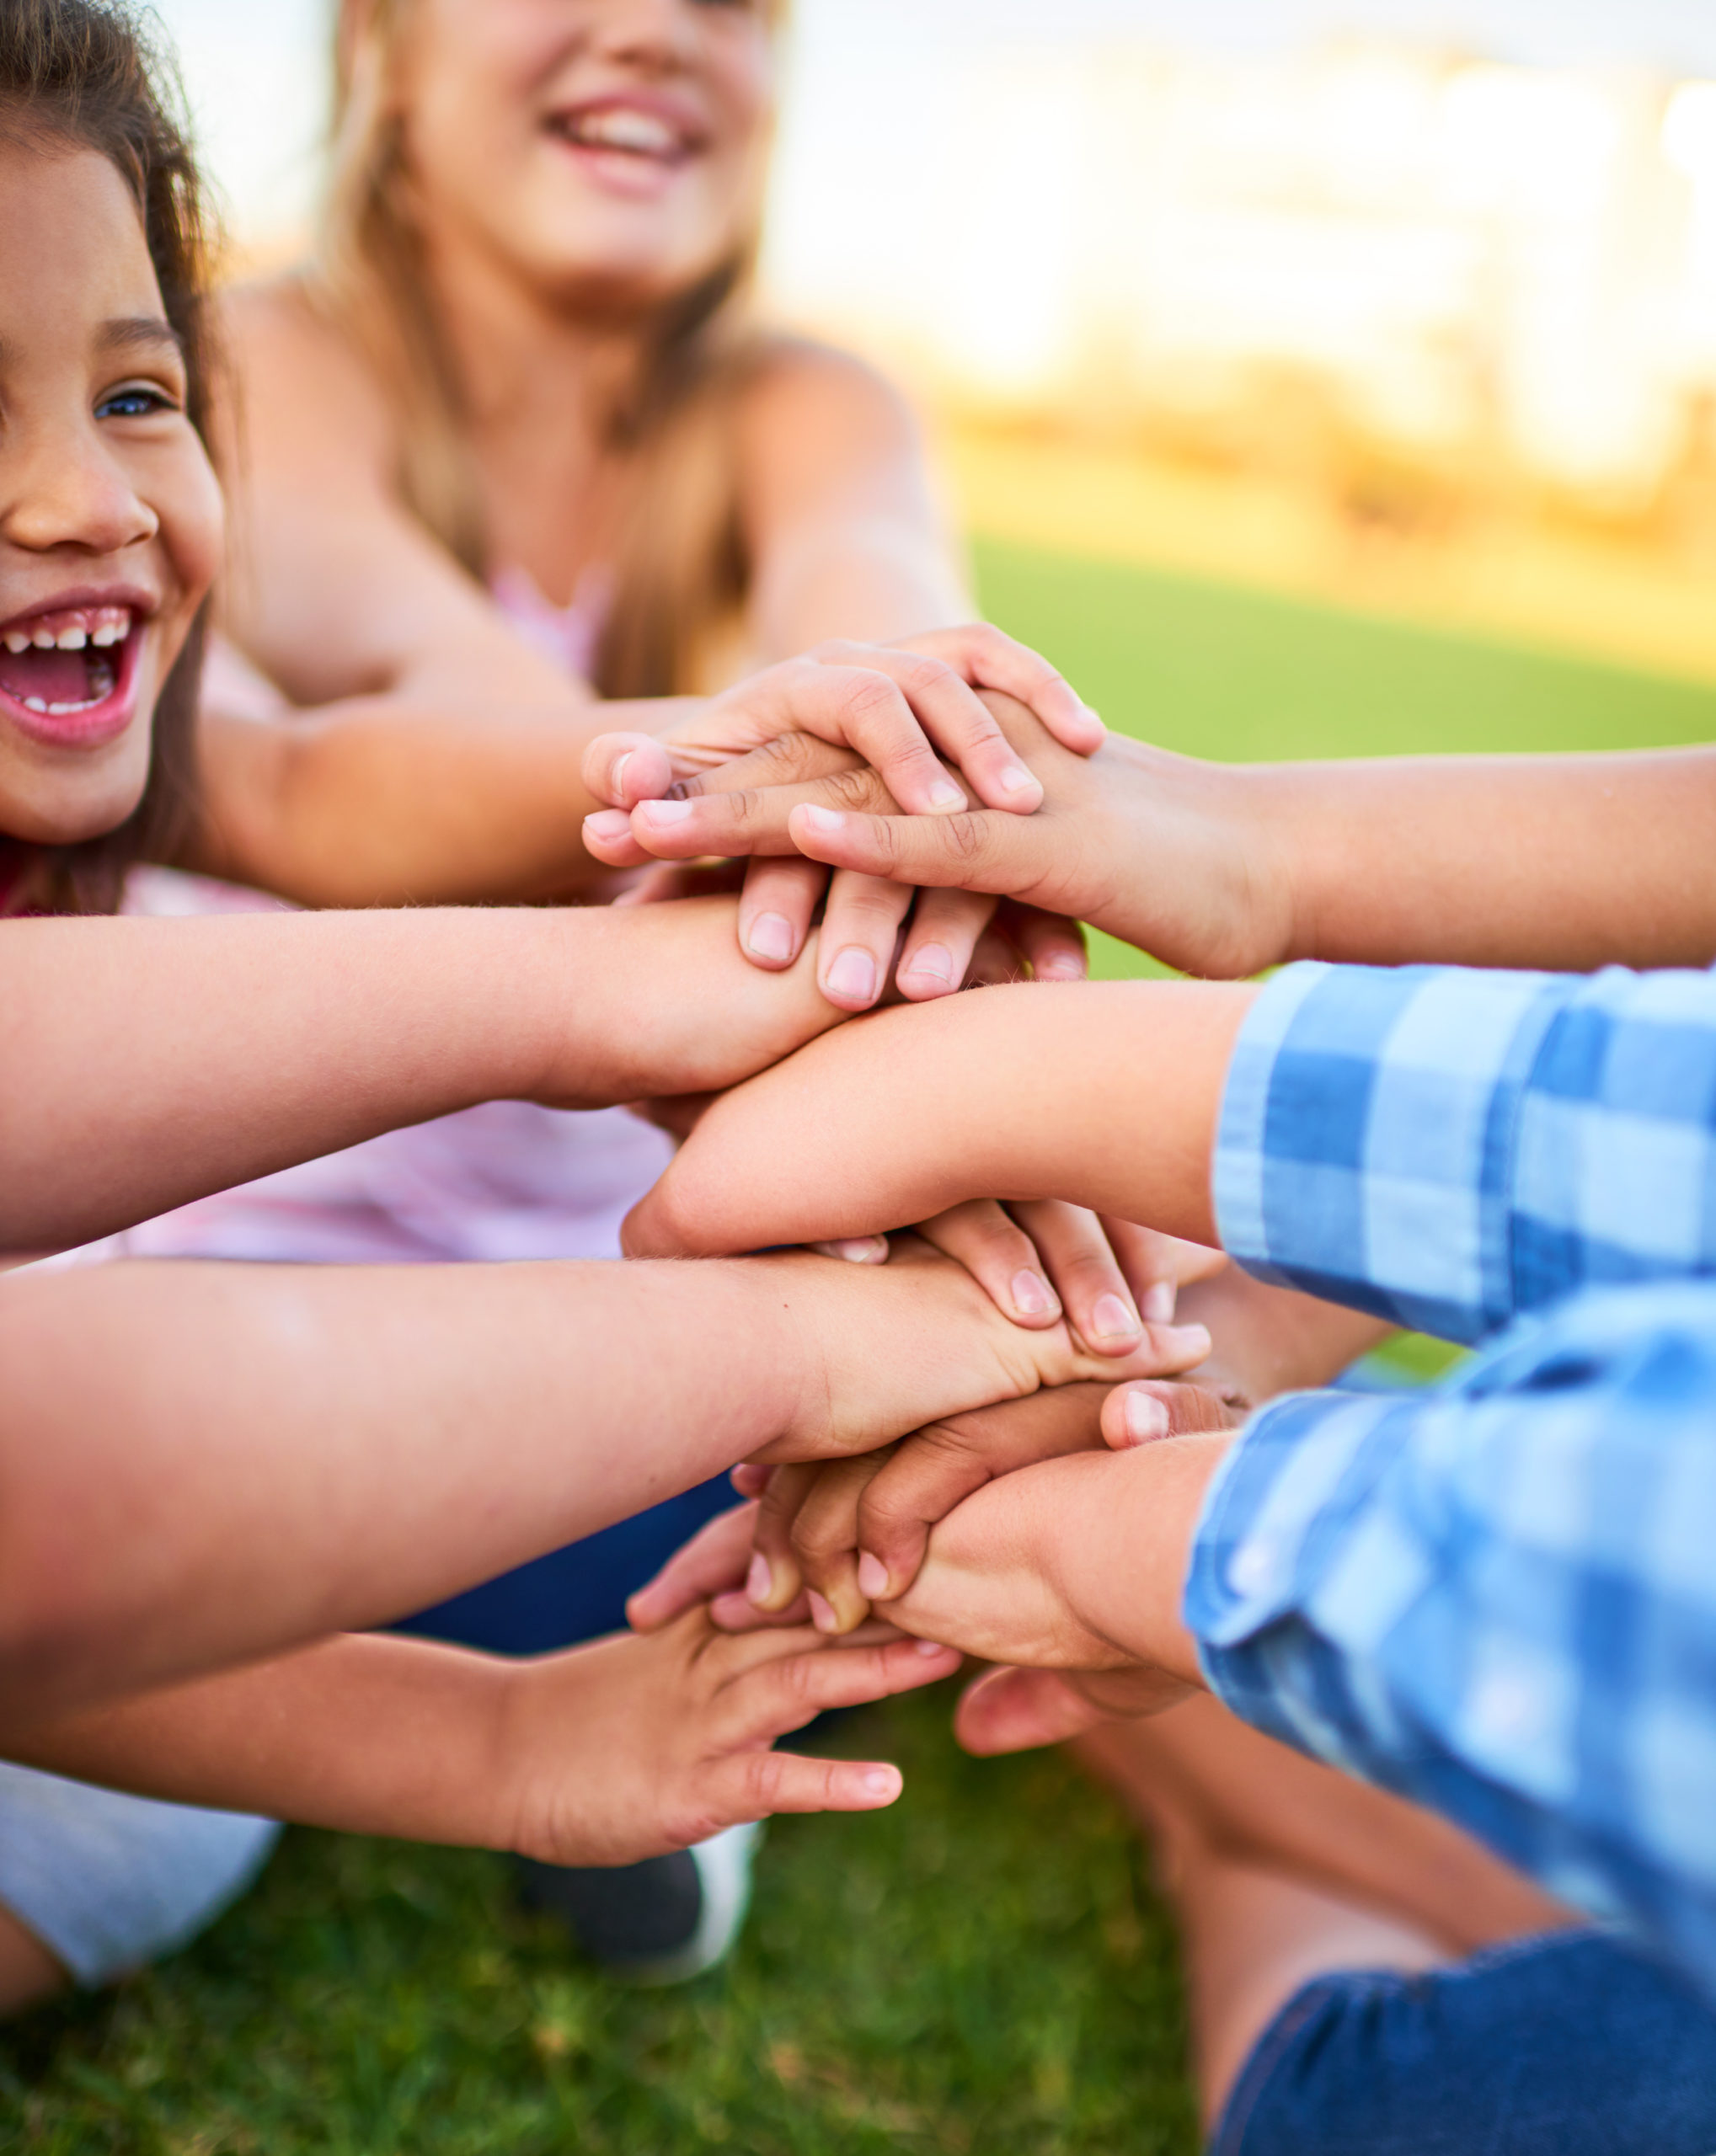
201	1464
1119	1550
291	1036
870	581
363	1735
1563	863
402	800
1104	1093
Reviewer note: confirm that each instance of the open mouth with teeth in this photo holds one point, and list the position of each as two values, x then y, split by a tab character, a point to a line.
624	131
66	669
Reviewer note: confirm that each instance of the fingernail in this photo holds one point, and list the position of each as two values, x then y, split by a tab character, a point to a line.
1032	1296
1159	1303
854	975
872	1577
822	1614
1112	1319
825	820
856	1249
1016	779
619	772
770	935
1146	1418
665	812
945	794
935	961
1191	1340
931	1647
759	1579
1062	965
608	823
1092	713
880	1781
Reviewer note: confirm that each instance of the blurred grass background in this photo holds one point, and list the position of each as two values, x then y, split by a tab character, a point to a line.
982	1969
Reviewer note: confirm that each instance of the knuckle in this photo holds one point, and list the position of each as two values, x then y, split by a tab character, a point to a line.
869	695
923	675
765	1779
857	790
965	835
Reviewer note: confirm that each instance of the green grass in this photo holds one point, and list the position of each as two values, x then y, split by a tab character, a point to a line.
1248	677
978	1970
981	1969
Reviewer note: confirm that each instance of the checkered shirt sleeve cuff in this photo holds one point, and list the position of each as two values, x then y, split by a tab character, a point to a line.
1446	1147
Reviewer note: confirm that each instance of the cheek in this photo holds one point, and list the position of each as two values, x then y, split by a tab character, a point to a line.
193	529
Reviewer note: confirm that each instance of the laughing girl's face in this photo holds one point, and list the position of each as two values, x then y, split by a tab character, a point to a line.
110	514
604	151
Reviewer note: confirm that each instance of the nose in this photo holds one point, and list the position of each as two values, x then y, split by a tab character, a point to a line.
62	488
647	33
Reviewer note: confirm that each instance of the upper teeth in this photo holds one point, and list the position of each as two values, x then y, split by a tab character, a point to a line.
102	626
621	127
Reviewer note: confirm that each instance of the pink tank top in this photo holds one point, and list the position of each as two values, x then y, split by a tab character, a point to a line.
508	1180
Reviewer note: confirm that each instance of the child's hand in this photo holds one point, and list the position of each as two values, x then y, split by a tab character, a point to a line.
895	1347
843	702
852	1534
659	1003
1077	1563
1040	1262
1179	857
633	1746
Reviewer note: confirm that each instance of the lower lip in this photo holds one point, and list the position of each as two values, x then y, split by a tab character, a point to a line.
623	171
96	724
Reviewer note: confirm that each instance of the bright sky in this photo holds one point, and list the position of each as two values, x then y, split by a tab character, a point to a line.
870	70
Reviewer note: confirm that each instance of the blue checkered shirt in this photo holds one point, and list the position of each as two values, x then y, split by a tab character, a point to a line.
1497	1597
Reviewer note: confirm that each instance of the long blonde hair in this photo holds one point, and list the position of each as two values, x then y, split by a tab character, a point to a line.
681	570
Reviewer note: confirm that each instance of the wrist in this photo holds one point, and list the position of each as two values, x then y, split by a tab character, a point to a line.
1265	817
1121	1555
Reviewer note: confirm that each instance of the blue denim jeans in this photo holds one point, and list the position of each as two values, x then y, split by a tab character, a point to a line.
578	1593
1571	2044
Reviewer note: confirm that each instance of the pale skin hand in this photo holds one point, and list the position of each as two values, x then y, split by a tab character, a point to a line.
1562	863
619	1750
374	1403
646	781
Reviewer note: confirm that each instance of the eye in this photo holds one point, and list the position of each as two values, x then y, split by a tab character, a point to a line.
136	400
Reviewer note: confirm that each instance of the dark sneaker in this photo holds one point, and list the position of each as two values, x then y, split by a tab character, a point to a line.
660	1922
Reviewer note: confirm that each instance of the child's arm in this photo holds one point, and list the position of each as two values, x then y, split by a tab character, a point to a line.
1104	1093
410	799
148	1062
1561	862
201	1465
620	1750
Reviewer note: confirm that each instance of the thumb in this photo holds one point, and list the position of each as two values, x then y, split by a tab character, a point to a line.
624	769
1141	1413
1019	1711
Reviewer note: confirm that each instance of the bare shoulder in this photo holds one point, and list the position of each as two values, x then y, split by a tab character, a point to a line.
303	390
801	389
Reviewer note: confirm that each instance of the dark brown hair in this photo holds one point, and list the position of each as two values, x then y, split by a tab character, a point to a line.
86	74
